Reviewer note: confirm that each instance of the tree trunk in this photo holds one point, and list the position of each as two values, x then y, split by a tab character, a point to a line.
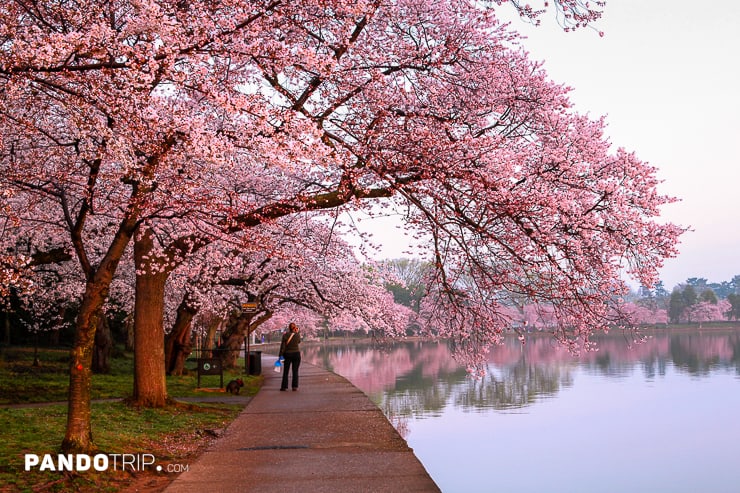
230	349
237	328
129	322
6	329
178	343
56	333
103	345
210	341
54	336
78	436
150	385
232	339
178	363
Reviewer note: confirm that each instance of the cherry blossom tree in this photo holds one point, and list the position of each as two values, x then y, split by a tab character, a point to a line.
182	123
68	139
706	311
301	264
377	119
11	263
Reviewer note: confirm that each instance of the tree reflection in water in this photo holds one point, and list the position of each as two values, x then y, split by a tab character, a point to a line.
422	378
656	416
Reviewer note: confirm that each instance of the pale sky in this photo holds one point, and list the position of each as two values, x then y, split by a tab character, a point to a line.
666	74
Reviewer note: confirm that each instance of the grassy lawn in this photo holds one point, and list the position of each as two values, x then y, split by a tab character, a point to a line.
172	436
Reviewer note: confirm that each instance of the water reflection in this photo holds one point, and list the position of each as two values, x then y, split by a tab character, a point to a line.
423	377
657	416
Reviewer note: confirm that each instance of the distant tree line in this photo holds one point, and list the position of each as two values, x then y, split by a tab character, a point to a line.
696	300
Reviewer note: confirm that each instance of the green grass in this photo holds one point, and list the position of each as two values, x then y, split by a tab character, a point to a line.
174	434
21	382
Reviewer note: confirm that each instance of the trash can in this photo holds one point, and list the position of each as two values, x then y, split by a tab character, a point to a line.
255	363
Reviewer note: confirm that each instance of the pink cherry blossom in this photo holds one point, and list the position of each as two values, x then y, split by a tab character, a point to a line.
177	126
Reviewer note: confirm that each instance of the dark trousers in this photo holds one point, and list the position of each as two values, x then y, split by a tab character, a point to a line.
294	360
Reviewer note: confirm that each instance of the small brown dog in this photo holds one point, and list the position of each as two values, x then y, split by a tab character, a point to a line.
234	386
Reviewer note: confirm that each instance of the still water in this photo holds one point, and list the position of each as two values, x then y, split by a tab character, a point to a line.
661	416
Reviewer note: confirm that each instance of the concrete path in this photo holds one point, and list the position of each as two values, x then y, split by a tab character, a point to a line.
326	437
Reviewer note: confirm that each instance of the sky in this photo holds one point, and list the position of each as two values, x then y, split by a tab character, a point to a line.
666	74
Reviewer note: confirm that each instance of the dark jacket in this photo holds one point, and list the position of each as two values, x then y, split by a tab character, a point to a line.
292	346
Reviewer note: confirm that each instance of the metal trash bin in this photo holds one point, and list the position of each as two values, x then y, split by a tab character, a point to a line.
255	363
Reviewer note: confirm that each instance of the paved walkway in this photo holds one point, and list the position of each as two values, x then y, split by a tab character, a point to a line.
327	437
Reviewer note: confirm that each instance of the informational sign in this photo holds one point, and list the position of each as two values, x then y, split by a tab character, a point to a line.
210	366
250	306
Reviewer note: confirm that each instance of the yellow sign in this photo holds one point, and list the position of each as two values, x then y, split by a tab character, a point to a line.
250	306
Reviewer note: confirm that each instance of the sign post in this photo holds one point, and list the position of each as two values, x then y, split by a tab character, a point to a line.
248	307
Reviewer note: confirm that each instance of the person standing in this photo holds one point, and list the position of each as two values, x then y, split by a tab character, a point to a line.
290	350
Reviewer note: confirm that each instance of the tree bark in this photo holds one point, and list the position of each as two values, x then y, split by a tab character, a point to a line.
129	323
237	328
178	344
78	436
210	341
103	345
232	339
150	385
